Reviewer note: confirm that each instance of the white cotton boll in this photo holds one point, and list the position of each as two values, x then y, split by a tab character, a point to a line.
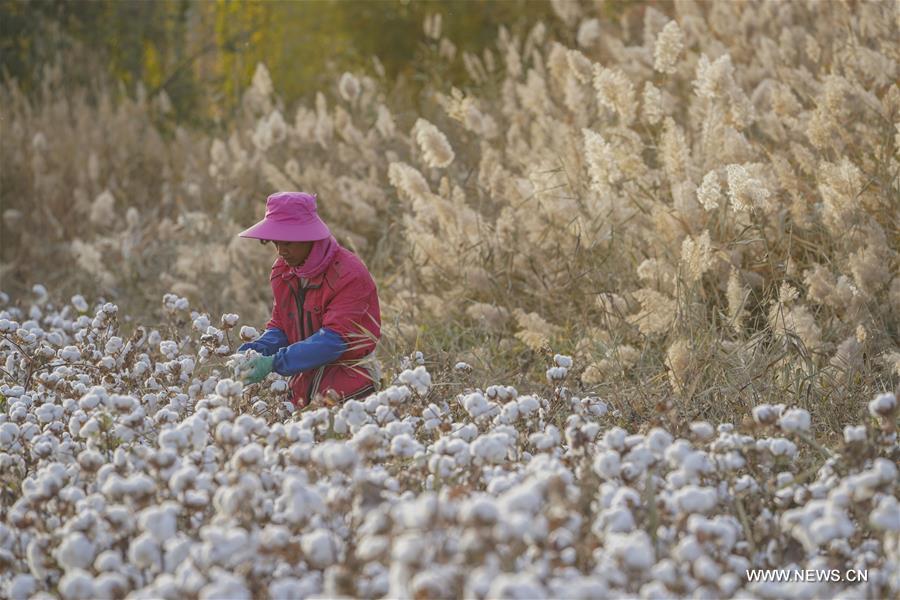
395	428
467	432
614	438
248	333
479	510
556	374
385	415
225	585
687	550
47	413
705	569
509	413
795	420
247	457
703	430
501	392
545	440
528	405
79	303
766	414
491	447
405	446
886	516
883	405
832	526
77	584
22	587
69	354
590	430
159	521
885	470
408	548
524	497
111	585
9	432
476	404
395	395
694	499
655	590
75	552
369	437
417	512
318	548
201	323
139	485
633	550
289	588
614	520
418	379
144	552
299	501
729	583
169	349
782	447
658	440
462	366
122	403
229	388
109	560
520	586
853	434
561	360
335	455
182	479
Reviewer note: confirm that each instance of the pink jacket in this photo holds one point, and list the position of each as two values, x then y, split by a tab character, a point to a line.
344	299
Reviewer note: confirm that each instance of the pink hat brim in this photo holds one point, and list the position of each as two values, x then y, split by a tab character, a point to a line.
268	229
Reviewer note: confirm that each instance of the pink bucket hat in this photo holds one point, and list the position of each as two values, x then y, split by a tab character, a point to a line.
290	217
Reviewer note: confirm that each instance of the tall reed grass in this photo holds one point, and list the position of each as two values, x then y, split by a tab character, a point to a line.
701	205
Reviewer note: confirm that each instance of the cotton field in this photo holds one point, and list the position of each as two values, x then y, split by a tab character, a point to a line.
137	466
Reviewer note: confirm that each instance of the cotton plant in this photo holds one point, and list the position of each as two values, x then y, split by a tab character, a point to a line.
164	489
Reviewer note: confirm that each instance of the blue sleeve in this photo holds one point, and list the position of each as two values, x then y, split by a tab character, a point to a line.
321	348
266	344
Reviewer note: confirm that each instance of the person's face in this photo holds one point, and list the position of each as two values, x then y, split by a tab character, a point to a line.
293	253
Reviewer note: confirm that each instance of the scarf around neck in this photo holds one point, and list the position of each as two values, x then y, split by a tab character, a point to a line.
319	258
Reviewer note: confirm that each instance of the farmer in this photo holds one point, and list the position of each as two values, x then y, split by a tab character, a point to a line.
325	316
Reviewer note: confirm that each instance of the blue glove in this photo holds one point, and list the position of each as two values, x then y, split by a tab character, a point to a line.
259	368
321	348
266	344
